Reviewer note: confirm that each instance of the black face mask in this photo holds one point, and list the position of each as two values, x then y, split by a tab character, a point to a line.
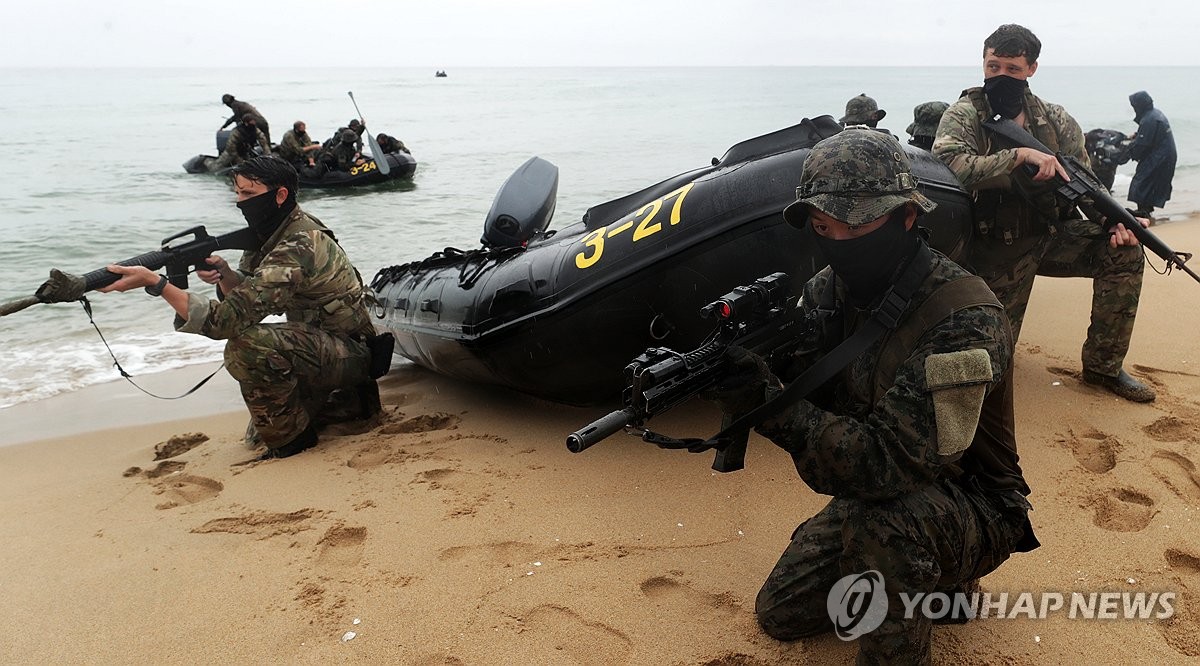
867	264
263	215
1005	94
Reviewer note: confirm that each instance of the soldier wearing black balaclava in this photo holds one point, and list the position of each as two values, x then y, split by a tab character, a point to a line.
1022	228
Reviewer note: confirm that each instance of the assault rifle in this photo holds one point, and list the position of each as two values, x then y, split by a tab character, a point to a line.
179	259
761	316
1083	183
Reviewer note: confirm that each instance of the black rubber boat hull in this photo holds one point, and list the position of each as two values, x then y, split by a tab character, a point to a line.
561	317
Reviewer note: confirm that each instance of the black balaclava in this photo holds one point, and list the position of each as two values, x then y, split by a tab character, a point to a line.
1005	94
263	215
868	264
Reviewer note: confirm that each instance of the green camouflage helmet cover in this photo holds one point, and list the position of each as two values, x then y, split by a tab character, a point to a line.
856	176
926	118
861	110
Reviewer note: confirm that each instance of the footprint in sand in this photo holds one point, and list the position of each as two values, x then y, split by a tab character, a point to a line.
1178	473
177	445
1169	429
670	591
262	524
1094	451
422	423
501	552
565	633
341	546
1123	510
184	489
468	492
1183	560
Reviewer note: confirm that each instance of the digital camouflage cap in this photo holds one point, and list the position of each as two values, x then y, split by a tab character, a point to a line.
926	118
861	110
856	176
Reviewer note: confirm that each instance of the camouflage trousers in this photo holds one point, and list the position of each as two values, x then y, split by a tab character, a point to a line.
935	539
1116	283
284	368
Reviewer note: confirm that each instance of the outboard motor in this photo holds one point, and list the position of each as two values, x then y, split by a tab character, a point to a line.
523	206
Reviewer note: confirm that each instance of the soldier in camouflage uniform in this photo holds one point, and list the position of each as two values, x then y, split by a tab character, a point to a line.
862	110
292	372
342	155
240	109
920	493
1023	230
297	147
923	128
240	145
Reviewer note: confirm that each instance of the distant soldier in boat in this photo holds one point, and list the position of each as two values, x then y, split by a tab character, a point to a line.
240	109
862	110
297	147
342	155
923	128
239	147
390	144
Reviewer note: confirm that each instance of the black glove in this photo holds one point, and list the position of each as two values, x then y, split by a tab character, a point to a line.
743	387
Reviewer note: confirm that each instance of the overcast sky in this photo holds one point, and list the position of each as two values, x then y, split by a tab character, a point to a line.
462	33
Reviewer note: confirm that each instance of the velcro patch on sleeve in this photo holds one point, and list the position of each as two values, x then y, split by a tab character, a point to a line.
277	274
958	382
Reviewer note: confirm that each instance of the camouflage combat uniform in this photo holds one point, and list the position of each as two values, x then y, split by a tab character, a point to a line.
293	145
919	493
1022	231
239	146
284	369
341	156
241	108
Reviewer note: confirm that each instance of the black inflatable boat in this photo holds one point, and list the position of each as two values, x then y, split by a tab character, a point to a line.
401	165
558	313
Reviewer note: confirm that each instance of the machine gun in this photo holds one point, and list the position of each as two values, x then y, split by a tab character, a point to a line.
761	316
1083	183
179	259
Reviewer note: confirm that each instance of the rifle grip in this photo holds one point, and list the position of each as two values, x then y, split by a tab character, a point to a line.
732	457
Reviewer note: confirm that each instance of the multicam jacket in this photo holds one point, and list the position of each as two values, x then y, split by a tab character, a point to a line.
878	437
300	272
293	145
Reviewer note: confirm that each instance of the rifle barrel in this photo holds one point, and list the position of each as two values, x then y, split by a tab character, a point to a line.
599	429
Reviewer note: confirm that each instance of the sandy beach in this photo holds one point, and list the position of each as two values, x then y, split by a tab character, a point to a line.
461	530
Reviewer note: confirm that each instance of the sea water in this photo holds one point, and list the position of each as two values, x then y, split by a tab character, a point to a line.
91	166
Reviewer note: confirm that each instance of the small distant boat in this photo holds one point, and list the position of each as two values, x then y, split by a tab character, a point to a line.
441	74
401	165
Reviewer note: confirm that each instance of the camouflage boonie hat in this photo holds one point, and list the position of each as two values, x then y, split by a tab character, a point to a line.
926	118
861	110
856	176
348	136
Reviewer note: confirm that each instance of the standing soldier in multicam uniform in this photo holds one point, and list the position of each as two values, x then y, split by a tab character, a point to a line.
920	494
298	375
1023	230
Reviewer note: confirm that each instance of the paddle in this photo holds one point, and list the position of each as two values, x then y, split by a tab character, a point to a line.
380	158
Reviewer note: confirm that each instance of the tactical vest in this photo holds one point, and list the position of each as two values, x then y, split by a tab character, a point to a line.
1024	207
992	457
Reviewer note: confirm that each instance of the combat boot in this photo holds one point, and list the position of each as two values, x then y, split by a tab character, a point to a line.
1123	385
304	441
